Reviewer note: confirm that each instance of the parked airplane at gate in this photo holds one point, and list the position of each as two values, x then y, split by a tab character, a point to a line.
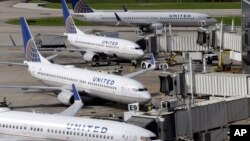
145	20
63	126
121	89
96	47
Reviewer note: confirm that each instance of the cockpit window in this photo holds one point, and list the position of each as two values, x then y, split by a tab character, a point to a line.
142	89
209	17
136	48
139	90
134	89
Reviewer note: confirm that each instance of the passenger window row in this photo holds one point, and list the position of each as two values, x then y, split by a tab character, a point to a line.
73	133
57	76
20	127
101	85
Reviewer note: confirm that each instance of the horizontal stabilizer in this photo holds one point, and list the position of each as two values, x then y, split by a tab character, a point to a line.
14	64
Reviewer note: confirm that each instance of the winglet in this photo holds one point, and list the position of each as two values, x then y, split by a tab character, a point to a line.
76	107
125	8
80	6
68	20
152	59
117	17
75	93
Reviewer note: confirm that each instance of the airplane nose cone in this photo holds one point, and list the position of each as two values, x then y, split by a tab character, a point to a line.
141	53
213	21
146	97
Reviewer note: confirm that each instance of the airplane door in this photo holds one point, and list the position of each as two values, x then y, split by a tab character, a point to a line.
129	137
125	90
202	23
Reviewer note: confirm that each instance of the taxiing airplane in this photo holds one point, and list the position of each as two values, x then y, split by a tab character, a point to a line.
146	21
64	126
95	47
111	87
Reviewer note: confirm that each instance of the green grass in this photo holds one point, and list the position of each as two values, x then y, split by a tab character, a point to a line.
228	20
58	21
186	5
52	21
150	4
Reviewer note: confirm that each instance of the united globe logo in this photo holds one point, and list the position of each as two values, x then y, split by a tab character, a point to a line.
82	7
31	52
70	25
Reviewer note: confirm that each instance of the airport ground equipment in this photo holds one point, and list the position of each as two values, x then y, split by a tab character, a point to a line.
209	119
49	41
161	65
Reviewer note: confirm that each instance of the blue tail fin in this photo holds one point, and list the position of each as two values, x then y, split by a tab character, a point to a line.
68	20
75	93
30	48
80	6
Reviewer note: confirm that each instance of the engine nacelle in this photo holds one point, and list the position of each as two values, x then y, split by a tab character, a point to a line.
156	26
91	57
66	97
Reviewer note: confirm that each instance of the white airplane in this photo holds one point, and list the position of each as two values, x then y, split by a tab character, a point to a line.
147	21
63	126
96	47
111	87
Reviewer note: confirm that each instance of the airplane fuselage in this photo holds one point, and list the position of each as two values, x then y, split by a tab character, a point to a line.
68	128
112	47
142	19
97	84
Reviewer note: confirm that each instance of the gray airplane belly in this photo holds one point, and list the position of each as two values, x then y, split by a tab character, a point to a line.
113	97
5	137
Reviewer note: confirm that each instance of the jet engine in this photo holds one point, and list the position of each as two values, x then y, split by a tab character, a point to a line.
66	97
156	26
91	57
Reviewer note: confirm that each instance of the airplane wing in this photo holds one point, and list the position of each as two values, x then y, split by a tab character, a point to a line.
134	74
76	107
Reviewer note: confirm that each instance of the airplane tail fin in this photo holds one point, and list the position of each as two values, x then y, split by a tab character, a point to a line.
30	49
80	6
68	20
